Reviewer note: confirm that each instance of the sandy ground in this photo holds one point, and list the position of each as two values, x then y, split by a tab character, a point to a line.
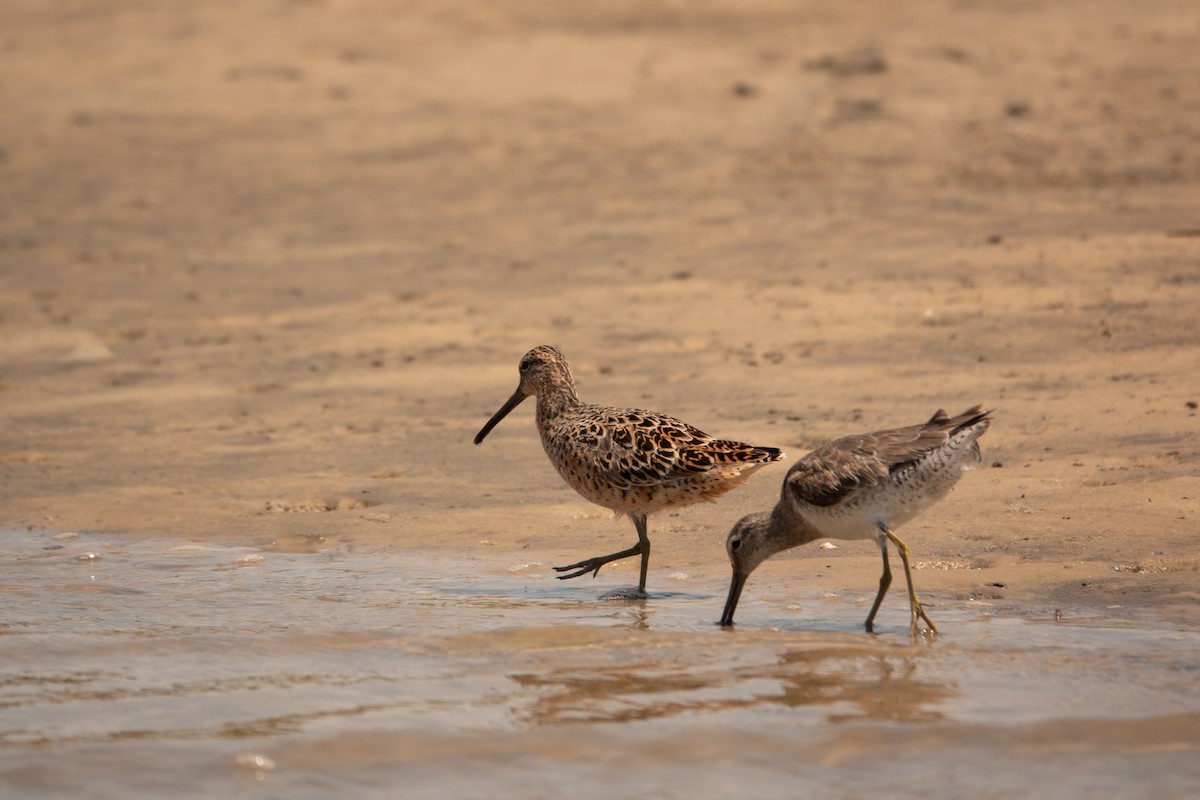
266	267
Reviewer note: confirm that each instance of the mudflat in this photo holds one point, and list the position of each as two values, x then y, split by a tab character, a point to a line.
267	267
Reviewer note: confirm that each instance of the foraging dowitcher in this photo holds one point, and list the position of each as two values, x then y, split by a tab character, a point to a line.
631	461
860	487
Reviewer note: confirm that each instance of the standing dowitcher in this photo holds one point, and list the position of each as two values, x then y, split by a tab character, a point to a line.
860	487
631	461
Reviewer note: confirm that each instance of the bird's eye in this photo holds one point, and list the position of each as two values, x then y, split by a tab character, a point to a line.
735	544
525	365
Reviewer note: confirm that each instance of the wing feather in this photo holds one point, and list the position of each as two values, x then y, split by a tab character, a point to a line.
828	474
630	448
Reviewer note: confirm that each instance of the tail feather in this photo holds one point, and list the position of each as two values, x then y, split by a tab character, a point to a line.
736	452
970	418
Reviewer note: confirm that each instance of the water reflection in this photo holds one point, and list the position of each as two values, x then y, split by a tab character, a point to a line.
844	682
870	687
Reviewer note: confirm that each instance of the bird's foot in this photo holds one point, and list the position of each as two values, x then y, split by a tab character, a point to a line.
591	565
918	612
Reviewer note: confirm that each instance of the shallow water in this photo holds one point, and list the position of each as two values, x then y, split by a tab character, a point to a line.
134	667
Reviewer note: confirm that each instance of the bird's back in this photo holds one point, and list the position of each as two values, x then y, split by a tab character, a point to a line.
847	487
631	460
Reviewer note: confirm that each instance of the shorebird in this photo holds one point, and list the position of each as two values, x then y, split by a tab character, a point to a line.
631	461
860	487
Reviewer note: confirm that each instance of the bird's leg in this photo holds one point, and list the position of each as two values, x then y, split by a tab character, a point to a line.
593	565
639	522
913	603
885	580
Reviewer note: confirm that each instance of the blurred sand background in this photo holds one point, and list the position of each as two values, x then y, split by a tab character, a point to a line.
266	267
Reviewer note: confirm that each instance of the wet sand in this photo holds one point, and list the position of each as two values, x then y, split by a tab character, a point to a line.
265	268
166	666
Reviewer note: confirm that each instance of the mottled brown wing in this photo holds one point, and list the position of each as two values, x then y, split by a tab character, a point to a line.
625	449
826	475
628	448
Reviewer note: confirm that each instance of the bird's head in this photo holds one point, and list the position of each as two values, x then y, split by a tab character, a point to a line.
747	546
544	372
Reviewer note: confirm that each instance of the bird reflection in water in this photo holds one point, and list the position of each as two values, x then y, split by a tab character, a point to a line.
839	683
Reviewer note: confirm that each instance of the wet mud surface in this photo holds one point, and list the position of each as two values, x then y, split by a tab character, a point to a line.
134	664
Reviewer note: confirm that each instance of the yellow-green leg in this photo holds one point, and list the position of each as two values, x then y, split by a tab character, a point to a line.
913	603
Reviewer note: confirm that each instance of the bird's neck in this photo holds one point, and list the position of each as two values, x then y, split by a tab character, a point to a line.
556	396
788	529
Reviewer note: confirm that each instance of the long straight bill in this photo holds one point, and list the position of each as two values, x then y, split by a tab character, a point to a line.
508	406
735	592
